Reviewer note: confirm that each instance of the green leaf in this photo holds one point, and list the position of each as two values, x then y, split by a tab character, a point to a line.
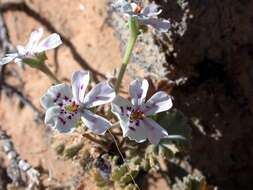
118	172
176	124
73	150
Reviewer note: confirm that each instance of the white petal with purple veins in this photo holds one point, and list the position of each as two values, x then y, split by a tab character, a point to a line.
138	91
154	131
137	132
79	82
21	50
50	42
159	24
65	125
95	123
122	109
54	94
51	116
57	121
34	40
159	102
151	10
102	93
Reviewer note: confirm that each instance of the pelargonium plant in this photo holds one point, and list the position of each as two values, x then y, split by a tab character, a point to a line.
68	105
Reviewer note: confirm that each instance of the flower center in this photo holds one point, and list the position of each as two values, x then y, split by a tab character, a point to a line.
136	115
69	108
137	9
72	107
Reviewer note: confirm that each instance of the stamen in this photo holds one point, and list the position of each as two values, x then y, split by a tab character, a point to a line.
137	115
73	107
138	9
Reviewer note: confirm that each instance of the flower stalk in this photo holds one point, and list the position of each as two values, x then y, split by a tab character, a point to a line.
133	28
39	64
49	73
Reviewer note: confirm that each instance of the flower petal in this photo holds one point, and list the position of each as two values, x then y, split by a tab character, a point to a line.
21	50
34	40
54	120
151	10
8	58
79	82
161	25
159	102
50	42
123	6
137	132
102	93
54	94
154	131
95	123
121	108
51	115
19	62
138	91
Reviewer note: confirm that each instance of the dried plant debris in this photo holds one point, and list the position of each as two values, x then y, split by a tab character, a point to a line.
192	183
19	171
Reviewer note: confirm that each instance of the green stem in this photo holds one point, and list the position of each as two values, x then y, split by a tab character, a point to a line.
39	63
49	73
133	28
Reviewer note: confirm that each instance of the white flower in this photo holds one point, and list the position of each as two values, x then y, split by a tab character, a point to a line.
66	106
33	47
133	116
145	16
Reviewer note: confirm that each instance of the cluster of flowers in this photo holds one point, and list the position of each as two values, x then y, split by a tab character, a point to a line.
66	106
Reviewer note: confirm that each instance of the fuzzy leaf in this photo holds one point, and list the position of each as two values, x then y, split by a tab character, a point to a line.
176	125
73	150
118	172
